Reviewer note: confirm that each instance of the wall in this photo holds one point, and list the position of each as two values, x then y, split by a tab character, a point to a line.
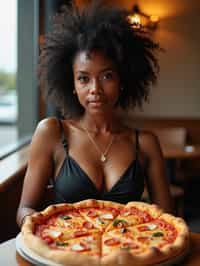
177	93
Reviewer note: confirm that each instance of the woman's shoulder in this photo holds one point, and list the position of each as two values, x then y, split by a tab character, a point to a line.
47	125
148	141
52	128
48	134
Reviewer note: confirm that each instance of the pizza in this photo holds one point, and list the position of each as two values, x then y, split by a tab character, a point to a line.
95	232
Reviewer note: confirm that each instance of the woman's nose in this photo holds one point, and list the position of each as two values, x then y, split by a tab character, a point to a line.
96	86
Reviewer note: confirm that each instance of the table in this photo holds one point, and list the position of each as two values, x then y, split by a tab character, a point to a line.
9	256
186	152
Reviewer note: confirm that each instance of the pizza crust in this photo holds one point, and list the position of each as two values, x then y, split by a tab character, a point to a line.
152	209
181	242
97	204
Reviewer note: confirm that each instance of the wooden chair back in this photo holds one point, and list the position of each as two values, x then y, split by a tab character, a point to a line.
176	136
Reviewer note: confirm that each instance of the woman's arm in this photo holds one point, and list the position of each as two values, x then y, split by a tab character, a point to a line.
157	181
40	168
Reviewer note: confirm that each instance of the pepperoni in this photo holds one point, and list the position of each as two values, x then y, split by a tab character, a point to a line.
48	239
146	217
143	239
130	245
134	210
166	225
75	213
125	212
92	213
170	227
52	221
40	229
80	233
170	238
115	212
161	223
112	242
85	246
88	225
143	228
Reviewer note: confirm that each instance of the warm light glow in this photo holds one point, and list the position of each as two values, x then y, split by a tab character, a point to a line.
135	20
154	18
139	19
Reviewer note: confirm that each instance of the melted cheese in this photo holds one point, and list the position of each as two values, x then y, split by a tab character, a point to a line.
77	247
108	216
53	233
152	226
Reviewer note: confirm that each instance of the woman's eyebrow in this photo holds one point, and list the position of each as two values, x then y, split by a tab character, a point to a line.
103	70
107	69
81	72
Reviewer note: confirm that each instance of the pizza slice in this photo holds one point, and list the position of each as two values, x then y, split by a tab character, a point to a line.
99	213
164	231
59	222
89	244
67	217
135	213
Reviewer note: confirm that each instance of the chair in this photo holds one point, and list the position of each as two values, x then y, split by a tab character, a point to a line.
175	137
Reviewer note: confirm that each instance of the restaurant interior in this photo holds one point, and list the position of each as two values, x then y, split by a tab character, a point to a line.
172	113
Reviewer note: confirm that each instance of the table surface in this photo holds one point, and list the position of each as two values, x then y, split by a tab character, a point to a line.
175	152
186	152
9	256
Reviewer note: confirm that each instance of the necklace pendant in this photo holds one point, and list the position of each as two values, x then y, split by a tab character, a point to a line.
103	158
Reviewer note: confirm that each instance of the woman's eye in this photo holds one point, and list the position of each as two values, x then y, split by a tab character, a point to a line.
83	79
108	75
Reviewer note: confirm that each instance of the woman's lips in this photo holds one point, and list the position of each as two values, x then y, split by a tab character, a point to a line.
95	103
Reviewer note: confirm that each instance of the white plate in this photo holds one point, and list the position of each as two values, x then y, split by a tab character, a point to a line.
35	259
31	256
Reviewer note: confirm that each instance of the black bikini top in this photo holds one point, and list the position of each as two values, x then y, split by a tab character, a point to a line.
73	184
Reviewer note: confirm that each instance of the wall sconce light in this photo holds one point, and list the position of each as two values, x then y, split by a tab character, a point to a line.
140	20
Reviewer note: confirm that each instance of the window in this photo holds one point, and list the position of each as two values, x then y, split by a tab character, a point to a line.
8	68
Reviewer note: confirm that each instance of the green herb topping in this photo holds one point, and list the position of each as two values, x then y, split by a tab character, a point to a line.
157	234
119	221
65	217
61	244
123	230
100	220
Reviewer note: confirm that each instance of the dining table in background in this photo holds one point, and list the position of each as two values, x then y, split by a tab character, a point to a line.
177	156
10	257
188	152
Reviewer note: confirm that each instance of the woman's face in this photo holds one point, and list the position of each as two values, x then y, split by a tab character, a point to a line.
96	82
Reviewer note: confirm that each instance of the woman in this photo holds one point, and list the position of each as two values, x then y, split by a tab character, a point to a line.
92	63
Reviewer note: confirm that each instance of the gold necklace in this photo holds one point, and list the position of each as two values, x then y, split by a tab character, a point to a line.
103	157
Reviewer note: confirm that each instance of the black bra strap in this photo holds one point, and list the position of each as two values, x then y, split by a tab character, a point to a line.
136	144
136	151
63	139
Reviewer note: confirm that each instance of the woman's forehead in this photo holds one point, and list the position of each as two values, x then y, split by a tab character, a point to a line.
97	59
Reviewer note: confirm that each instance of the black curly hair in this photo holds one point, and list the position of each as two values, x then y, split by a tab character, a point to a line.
96	27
